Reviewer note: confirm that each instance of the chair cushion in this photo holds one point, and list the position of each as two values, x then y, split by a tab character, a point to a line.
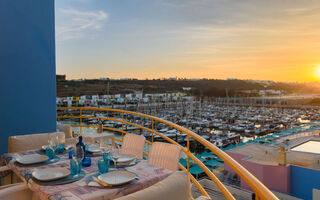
67	129
29	142
177	186
17	191
72	141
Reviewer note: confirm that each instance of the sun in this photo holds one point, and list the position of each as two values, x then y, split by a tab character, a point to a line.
318	71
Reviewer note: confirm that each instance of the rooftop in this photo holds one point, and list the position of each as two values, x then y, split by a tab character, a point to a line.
309	147
268	155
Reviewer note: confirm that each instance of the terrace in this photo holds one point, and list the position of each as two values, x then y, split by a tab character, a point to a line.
36	150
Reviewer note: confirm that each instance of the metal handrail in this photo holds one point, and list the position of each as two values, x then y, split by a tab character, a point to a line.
261	191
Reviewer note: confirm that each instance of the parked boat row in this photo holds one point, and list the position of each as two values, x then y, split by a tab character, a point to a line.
223	125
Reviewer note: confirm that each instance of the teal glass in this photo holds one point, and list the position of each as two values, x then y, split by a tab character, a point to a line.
103	166
79	162
74	166
107	164
49	153
106	157
60	148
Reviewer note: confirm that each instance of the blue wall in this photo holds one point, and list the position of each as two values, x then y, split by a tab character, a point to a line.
27	68
302	181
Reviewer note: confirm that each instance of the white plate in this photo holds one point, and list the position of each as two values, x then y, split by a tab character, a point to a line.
125	158
50	174
117	177
32	159
94	149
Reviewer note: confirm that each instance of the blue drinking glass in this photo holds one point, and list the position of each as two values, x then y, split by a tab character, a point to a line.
60	148
107	163
103	166
106	157
50	153
74	166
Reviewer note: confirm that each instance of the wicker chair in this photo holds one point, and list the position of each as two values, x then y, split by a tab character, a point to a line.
17	191
164	155
133	145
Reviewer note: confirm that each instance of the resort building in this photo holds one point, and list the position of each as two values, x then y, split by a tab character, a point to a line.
291	166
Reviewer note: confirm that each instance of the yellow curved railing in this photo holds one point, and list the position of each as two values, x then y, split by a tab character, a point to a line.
261	191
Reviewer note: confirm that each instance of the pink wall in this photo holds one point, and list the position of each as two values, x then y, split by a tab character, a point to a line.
274	177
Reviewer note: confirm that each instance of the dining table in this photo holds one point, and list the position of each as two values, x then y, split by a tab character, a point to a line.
147	175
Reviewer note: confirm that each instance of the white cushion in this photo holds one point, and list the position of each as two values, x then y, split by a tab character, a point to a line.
18	191
177	186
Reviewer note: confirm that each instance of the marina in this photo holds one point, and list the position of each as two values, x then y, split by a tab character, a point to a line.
227	127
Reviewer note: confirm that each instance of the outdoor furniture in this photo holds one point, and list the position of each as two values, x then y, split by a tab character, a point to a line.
67	129
100	137
177	186
31	141
148	175
18	191
21	143
133	145
7	176
71	141
164	155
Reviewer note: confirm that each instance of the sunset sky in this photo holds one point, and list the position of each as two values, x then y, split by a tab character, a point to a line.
250	39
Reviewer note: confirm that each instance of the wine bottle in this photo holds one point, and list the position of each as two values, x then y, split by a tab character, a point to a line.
80	146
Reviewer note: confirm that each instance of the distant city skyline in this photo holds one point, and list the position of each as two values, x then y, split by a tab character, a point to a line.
258	40
184	78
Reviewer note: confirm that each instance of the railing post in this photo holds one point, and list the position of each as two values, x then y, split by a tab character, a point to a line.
80	120
99	126
152	131
188	149
122	128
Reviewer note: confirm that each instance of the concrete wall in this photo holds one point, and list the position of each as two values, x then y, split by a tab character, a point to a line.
27	68
303	181
274	177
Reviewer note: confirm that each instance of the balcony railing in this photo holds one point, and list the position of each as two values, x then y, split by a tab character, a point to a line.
261	191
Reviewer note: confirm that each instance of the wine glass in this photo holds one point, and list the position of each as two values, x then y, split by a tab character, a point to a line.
115	156
79	157
80	153
60	143
53	142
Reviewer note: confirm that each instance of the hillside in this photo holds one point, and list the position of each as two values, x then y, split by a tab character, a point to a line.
203	87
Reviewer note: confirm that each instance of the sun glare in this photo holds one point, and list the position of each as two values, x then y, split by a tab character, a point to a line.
318	72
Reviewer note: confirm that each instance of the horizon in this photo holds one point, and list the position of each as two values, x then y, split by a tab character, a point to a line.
183	78
259	40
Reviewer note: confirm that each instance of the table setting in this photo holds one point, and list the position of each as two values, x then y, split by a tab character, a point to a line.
55	170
